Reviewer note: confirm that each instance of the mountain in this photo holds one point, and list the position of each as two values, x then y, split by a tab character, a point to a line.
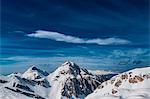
71	81
134	84
34	73
67	81
14	86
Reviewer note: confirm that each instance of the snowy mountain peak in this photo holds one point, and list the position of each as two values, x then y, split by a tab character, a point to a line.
70	64
34	73
67	68
67	63
70	81
33	68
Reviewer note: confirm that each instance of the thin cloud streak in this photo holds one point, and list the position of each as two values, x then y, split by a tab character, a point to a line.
72	39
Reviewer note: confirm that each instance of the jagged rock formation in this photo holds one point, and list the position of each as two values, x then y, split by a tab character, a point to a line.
74	81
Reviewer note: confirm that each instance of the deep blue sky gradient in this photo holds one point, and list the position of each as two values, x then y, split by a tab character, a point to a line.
126	19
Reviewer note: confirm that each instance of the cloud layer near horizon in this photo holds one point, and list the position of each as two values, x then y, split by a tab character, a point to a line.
72	39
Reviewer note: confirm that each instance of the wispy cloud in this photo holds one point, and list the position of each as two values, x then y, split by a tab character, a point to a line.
72	39
131	53
109	61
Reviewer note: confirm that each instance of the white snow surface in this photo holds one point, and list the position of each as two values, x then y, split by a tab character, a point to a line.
8	94
134	84
33	73
58	78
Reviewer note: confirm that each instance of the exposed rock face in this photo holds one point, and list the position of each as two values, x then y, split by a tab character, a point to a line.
136	79
118	83
114	91
34	73
76	87
125	85
17	83
75	81
125	76
25	93
3	81
80	82
68	81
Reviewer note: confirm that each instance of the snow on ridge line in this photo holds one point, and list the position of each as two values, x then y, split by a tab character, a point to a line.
142	70
133	84
68	77
68	74
69	80
34	73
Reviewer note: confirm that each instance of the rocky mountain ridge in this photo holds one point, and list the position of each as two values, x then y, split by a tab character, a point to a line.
67	81
133	84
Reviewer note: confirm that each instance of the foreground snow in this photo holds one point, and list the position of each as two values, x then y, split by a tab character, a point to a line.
8	94
134	84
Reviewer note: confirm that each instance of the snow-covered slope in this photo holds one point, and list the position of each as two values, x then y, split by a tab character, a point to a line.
71	81
34	73
17	86
134	84
8	94
68	81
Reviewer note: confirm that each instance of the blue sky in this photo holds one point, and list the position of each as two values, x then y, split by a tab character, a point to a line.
97	34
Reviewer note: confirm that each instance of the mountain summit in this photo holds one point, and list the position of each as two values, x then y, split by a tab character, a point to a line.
34	73
72	81
69	68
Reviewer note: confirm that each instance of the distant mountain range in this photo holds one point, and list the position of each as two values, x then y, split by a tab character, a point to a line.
69	81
